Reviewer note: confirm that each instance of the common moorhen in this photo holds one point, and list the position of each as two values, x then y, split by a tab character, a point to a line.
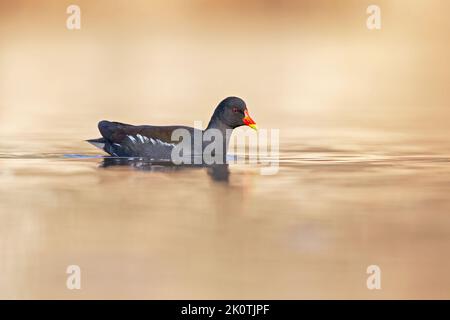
125	140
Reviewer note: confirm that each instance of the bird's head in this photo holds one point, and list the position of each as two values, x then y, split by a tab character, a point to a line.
233	112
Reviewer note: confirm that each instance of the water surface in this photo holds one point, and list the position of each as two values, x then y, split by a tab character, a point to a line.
309	231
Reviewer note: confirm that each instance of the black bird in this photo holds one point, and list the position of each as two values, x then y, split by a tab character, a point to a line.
125	140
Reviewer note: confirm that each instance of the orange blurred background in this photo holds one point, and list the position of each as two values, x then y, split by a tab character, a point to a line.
298	64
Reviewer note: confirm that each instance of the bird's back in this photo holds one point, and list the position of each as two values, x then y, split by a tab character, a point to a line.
125	140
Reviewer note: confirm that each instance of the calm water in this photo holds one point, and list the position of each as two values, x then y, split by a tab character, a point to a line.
374	191
336	206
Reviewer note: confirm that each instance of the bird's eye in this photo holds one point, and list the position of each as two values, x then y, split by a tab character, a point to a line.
235	110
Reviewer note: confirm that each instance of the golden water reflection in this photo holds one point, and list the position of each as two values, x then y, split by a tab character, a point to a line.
310	231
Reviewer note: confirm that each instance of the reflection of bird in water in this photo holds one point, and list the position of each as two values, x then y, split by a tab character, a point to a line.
155	142
218	172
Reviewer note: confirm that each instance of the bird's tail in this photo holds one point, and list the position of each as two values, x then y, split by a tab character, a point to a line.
99	143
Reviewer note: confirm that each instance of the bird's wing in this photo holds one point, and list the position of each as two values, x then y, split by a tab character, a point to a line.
144	141
117	132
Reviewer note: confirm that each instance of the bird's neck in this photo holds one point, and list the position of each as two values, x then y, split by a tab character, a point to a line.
218	124
215	123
